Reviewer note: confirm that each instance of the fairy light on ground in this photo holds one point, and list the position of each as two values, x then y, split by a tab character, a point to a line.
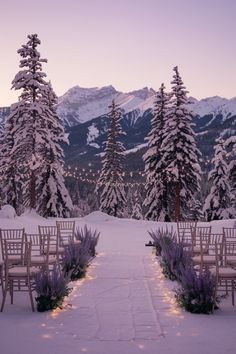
166	293
74	293
141	346
46	336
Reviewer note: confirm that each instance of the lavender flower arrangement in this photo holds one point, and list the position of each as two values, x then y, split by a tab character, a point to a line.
88	238
175	259
51	288
197	291
161	238
75	260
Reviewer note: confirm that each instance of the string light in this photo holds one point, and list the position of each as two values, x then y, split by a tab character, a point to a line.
84	172
93	181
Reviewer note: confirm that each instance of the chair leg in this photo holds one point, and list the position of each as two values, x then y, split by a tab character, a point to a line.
232	283
2	280
11	291
31	296
4	297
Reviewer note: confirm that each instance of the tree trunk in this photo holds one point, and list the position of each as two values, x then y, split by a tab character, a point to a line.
32	190
177	202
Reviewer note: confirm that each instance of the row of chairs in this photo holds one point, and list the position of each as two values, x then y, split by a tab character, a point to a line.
213	251
25	254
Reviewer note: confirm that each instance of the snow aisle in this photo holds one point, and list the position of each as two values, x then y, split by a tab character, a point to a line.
124	306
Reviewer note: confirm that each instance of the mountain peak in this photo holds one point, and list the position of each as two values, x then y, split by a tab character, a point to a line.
77	93
80	104
143	93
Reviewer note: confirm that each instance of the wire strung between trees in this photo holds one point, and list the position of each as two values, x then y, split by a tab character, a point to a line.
95	181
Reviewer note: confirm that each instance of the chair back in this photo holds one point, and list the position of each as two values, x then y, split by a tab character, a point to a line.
184	231
50	239
13	249
230	253
14	235
219	254
36	241
200	232
52	231
66	231
229	233
215	238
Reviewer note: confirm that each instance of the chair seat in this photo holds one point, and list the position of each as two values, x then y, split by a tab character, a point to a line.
67	242
54	250
22	271
225	272
197	249
206	259
231	260
42	260
14	258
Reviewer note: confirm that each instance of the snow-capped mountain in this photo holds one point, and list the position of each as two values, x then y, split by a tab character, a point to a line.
79	105
212	116
214	106
84	110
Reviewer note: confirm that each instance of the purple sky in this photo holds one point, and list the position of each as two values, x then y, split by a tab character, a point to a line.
127	43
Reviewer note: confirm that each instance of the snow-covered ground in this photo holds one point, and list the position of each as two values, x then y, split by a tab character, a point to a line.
123	306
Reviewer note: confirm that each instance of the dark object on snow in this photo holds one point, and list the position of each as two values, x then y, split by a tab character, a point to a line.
149	244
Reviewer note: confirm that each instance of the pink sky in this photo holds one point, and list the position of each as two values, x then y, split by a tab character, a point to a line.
127	43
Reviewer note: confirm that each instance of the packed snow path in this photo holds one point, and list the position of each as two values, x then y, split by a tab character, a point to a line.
123	306
116	304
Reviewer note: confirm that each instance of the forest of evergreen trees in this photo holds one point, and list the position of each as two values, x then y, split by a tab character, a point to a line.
32	158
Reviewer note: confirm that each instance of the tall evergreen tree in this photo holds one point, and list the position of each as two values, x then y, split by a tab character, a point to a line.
53	198
137	208
179	151
27	116
230	144
156	182
218	204
33	134
110	182
11	180
128	209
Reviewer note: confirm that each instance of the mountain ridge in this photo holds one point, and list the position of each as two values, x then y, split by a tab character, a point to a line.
84	114
79	105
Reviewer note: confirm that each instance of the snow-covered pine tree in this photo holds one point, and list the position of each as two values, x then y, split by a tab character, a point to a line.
26	116
11	181
156	182
179	151
53	198
31	123
129	202
110	182
219	202
137	208
230	144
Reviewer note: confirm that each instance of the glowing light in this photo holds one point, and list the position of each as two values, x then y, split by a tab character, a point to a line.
55	313
166	293
91	176
141	346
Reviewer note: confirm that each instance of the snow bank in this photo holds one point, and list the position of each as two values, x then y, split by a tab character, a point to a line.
32	214
7	212
98	216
